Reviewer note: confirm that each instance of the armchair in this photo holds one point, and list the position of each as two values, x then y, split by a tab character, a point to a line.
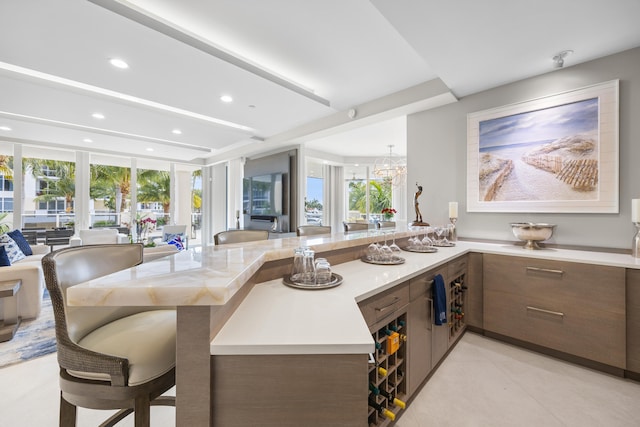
110	357
312	230
170	232
355	226
98	236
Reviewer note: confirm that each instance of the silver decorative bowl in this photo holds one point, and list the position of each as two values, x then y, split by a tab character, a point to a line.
532	233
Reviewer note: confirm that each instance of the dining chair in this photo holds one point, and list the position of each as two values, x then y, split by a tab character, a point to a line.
355	226
110	357
385	224
239	236
312	230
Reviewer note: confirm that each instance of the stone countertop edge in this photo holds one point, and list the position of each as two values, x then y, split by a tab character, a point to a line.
274	317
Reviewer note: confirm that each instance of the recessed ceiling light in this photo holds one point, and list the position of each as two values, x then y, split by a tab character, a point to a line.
226	98
87	140
99	116
7	128
176	132
356	165
119	63
149	149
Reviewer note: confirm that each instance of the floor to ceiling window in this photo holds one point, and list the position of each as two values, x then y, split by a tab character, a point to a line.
49	188
314	198
367	195
6	187
110	191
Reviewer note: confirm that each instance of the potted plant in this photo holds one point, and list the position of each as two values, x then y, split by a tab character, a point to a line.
388	213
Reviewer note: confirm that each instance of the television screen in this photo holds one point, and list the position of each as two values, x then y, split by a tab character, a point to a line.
266	194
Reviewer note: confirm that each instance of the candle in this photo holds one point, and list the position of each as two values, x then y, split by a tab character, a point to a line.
635	210
453	209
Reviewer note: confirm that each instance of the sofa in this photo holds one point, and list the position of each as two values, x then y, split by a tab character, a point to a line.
98	236
29	270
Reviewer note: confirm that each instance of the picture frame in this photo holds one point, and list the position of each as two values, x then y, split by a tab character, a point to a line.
557	154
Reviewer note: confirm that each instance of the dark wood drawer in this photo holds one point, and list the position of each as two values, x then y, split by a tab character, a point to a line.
456	268
582	331
588	286
380	306
421	285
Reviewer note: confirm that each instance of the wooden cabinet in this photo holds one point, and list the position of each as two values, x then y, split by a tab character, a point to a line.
633	321
419	327
473	313
386	316
574	308
380	306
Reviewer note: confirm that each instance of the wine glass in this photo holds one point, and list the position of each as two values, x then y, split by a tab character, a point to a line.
385	250
426	241
439	233
394	248
373	252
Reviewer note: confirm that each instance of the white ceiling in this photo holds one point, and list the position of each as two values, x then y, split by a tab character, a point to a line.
293	67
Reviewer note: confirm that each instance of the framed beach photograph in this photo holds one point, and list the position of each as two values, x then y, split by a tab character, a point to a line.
558	153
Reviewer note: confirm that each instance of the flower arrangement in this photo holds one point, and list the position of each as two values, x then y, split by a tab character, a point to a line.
143	226
388	213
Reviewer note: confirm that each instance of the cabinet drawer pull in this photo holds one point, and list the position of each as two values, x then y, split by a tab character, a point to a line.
381	309
541	310
545	270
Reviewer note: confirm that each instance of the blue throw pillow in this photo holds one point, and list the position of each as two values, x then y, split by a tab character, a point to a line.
22	243
13	251
4	258
177	242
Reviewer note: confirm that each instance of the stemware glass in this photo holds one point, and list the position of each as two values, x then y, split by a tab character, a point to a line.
394	248
426	241
385	250
373	252
439	233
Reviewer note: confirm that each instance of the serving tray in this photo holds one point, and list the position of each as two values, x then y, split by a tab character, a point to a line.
395	260
336	280
427	250
444	245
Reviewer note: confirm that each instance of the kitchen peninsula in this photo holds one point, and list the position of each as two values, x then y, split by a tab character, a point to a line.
223	317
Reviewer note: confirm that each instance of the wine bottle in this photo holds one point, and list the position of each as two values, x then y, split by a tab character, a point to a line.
374	390
382	410
392	399
381	371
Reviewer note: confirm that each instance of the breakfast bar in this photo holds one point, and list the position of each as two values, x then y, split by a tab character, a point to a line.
232	304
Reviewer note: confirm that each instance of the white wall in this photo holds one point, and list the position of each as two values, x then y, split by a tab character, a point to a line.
436	156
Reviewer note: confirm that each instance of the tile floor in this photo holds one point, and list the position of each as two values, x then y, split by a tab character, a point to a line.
482	383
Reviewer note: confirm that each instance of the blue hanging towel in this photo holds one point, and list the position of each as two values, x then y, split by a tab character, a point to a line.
439	300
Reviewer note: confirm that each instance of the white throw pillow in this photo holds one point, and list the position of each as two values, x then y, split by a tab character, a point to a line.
13	250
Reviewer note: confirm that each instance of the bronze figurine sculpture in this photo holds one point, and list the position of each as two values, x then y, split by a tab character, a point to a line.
418	220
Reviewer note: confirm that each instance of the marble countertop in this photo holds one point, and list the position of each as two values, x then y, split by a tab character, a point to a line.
211	275
274	318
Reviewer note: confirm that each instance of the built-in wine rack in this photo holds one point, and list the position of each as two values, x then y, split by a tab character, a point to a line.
387	370
457	297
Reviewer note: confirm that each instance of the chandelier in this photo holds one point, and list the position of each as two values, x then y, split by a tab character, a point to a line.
390	169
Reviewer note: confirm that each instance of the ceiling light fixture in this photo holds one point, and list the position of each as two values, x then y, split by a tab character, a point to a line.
176	132
89	140
390	169
558	59
98	116
226	98
149	149
119	63
121	96
7	128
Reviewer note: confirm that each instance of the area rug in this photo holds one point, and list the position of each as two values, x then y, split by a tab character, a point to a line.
35	337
